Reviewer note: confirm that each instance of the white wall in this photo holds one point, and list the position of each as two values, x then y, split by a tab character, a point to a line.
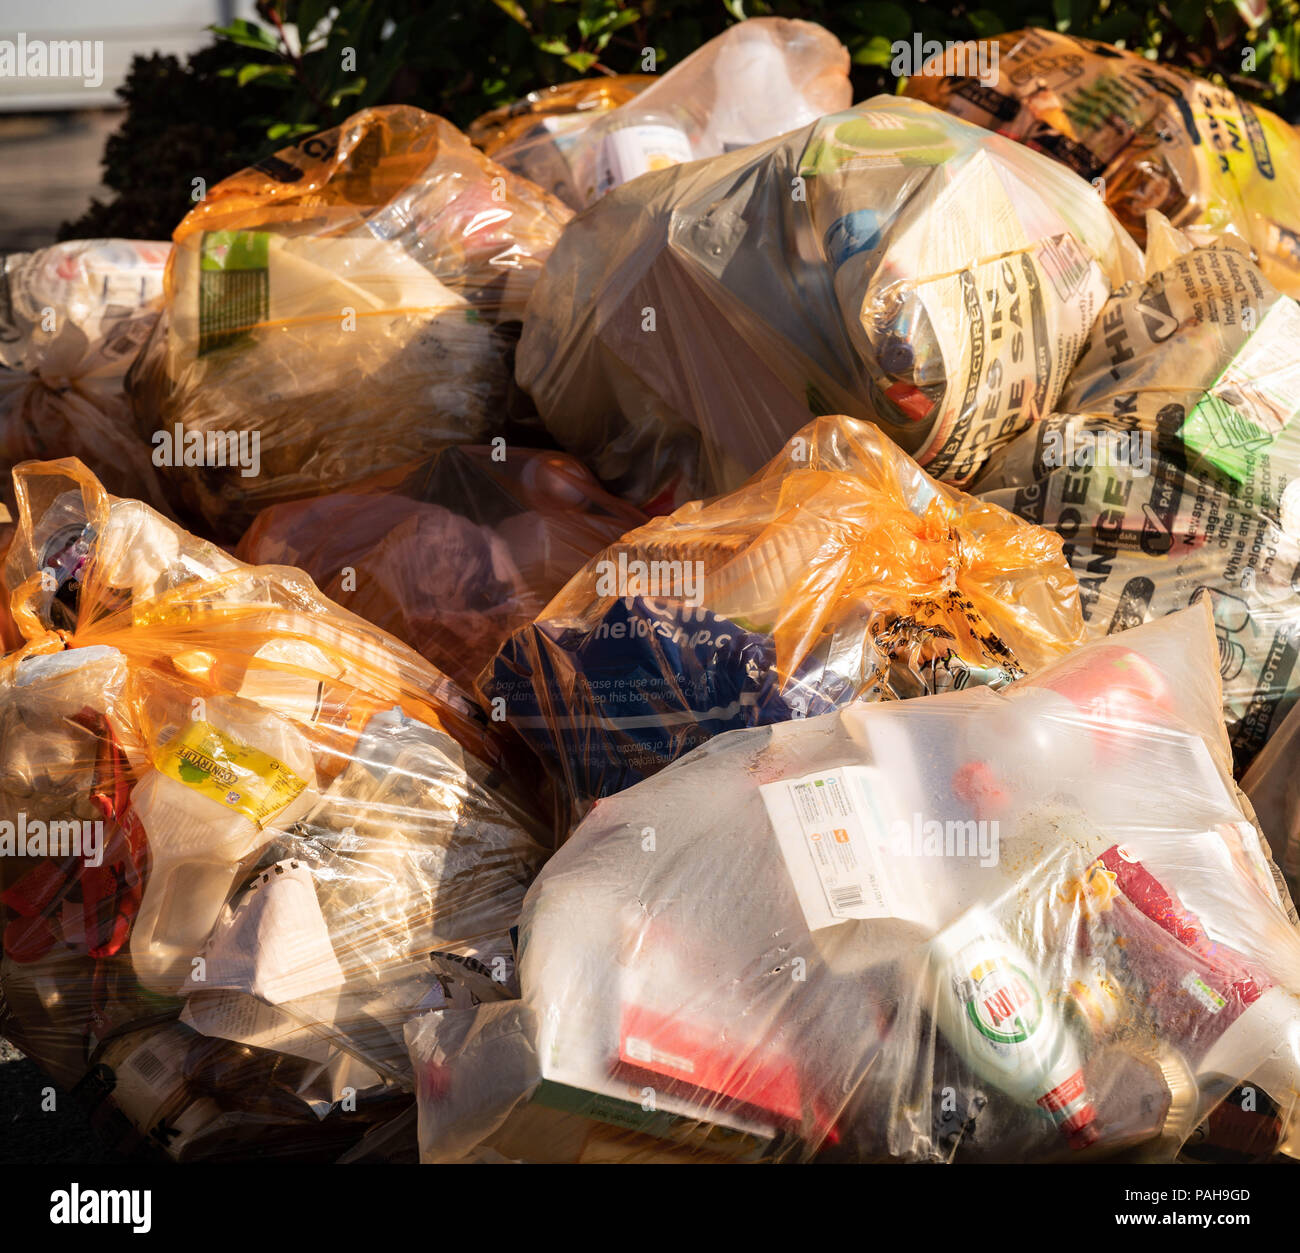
125	27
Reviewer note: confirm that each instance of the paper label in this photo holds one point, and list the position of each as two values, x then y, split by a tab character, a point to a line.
631	151
1008	329
225	770
237	1016
832	832
1252	401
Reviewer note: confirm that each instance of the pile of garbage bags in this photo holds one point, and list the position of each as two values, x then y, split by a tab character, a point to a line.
250	833
841	572
697	622
1171	468
873	263
451	555
981	926
340	308
756	80
73	318
1149	136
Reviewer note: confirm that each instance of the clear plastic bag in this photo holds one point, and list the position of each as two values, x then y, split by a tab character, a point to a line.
72	319
1150	135
760	78
249	834
338	310
453	554
1033	924
889	262
1170	469
841	572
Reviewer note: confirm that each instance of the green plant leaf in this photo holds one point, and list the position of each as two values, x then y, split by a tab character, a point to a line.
581	61
513	9
876	51
247	34
289	130
556	47
351	89
253	71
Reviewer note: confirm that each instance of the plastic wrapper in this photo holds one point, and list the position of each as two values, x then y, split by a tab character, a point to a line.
1159	137
1031	924
338	310
759	78
1170	470
247	834
454	554
841	572
533	135
72	319
889	262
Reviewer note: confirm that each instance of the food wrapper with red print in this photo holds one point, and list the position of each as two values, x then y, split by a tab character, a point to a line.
1029	924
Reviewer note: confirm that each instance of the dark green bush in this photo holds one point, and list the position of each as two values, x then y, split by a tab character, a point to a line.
256	88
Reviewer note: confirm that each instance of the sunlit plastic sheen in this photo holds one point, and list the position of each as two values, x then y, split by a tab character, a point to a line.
840	572
308	834
346	302
1034	924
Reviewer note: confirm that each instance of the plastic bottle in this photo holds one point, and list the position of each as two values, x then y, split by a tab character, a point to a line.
219	788
995	1010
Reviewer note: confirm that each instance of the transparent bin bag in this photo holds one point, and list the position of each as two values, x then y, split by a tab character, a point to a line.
1147	135
1171	471
229	799
338	310
758	79
1018	925
533	136
453	554
889	262
840	572
72	319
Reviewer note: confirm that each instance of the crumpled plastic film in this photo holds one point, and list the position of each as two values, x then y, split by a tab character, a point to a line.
1031	924
349	304
890	262
72	319
1158	137
1170	470
841	572
453	554
250	834
760	78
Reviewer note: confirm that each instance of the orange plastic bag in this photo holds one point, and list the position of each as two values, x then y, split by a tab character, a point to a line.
454	554
840	572
241	813
337	310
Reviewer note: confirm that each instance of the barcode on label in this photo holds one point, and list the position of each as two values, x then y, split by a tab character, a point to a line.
847	897
147	1065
